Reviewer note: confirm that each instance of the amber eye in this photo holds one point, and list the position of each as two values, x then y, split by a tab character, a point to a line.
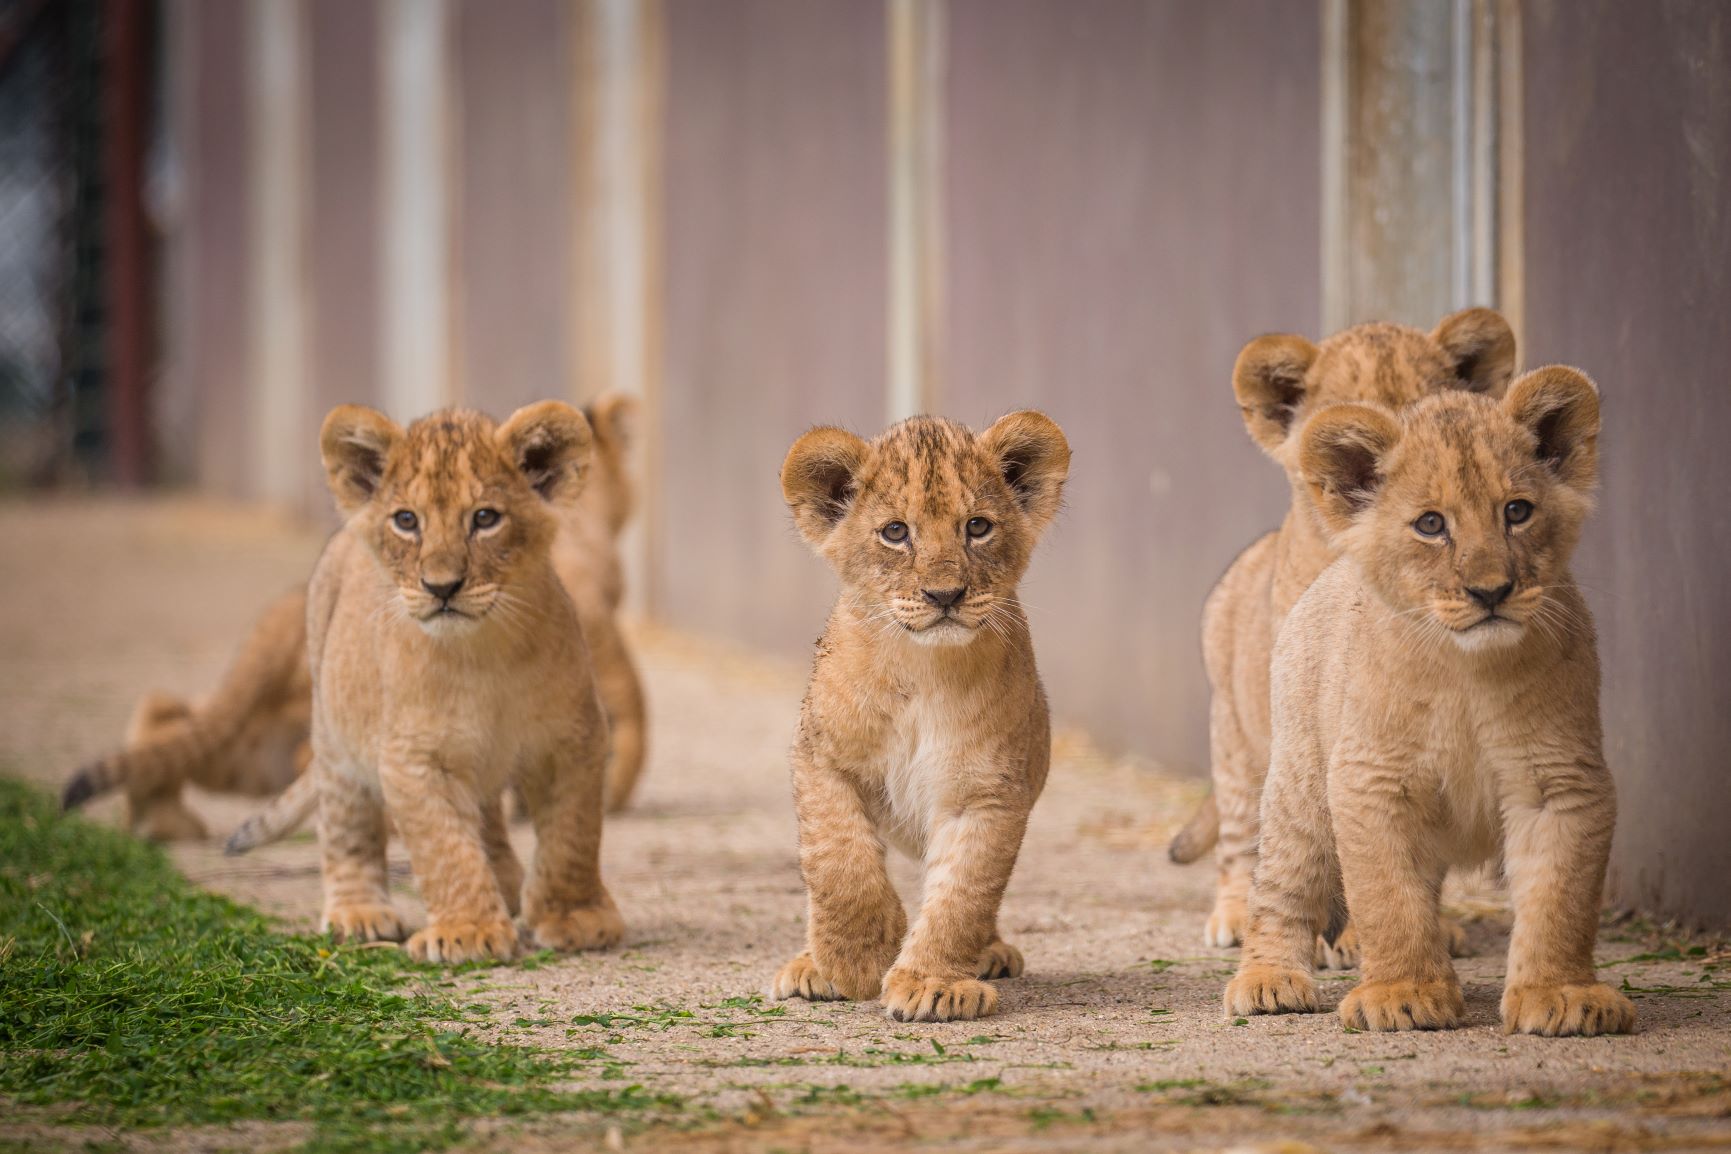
404	520
978	527
895	532
1430	524
485	518
1516	512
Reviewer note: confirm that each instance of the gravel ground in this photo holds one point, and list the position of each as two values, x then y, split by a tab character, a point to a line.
1113	1039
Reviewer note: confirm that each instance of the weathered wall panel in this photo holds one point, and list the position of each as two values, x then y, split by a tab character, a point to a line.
515	202
343	211
775	192
1132	194
1628	257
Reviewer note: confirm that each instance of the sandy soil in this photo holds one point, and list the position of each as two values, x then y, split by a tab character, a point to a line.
1113	1039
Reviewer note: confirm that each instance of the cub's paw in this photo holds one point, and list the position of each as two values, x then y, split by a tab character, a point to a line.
1403	1006
1556	1011
1270	990
1343	954
1455	935
1001	960
913	997
453	942
800	978
583	928
362	923
1227	923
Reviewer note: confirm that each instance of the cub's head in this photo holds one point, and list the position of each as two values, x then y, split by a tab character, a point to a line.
609	491
455	507
931	525
1462	510
1281	380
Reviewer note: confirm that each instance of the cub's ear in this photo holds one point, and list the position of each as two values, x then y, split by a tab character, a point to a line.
1268	380
550	442
819	480
1481	346
354	443
1560	407
1341	457
613	416
1034	457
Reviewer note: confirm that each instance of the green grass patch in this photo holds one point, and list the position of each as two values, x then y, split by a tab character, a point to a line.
130	998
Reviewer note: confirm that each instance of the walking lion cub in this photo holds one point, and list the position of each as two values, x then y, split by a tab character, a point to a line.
1436	704
925	725
446	660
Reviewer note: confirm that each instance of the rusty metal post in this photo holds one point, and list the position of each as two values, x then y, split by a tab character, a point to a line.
126	105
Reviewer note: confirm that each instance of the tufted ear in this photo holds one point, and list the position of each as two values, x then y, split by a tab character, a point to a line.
353	444
550	442
613	416
819	480
1341	457
1481	346
1560	407
1034	457
1268	380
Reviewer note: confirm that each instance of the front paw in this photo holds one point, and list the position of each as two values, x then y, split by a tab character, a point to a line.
453	942
1001	960
362	923
1226	925
1270	990
1403	1005
1556	1011
584	928
1342	953
801	978
913	997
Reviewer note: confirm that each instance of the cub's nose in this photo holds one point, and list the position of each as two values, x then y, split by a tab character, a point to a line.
944	598
1491	598
443	590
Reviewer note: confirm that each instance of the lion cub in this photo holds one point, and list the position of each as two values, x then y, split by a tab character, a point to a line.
925	724
1436	703
447	659
1279	381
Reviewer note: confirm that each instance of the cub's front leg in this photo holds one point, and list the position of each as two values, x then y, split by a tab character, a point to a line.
1558	843
352	843
439	815
936	978
855	921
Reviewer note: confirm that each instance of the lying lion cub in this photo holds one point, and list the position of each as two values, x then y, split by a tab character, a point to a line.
925	724
447	659
1436	702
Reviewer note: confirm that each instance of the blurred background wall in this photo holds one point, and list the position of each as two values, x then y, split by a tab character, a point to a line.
219	218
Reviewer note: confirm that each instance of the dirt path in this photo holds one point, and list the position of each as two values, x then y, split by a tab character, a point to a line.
1113	1040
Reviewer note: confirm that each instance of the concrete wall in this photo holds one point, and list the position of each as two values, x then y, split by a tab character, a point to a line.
1132	193
1628	258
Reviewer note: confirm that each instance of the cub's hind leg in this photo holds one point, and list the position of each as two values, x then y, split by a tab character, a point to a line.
155	806
352	841
854	920
1238	778
565	904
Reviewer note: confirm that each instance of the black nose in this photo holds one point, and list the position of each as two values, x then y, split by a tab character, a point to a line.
944	598
445	590
1491	598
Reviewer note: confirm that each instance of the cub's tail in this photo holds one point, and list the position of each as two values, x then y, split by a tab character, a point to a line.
1198	835
170	743
281	816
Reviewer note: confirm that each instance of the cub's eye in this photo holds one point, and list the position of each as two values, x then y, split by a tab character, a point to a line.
1516	512
1430	524
978	526
895	532
404	520
485	518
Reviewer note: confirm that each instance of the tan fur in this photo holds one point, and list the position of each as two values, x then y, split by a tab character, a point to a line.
925	725
447	661
1280	381
249	736
1436	704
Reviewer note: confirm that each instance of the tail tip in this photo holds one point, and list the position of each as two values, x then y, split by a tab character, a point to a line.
238	843
78	791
